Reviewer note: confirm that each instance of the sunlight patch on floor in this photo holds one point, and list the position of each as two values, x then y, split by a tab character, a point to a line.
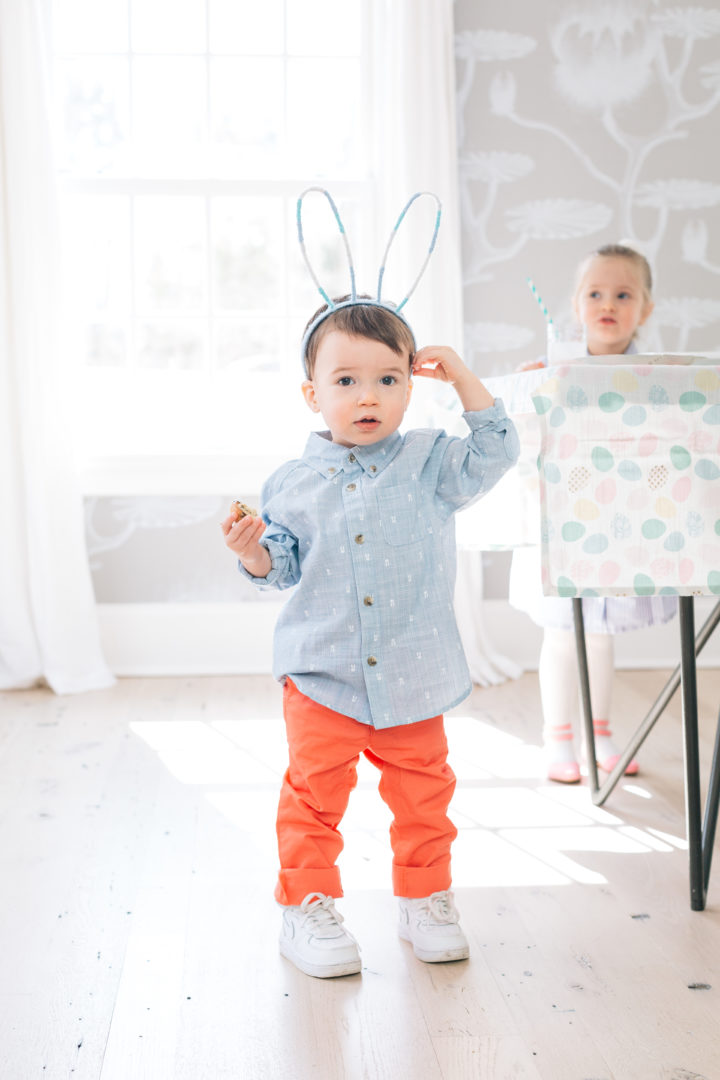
509	834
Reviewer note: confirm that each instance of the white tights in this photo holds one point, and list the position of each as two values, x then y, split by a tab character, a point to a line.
559	692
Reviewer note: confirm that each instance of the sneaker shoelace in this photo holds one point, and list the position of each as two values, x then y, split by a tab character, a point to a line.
320	914
441	908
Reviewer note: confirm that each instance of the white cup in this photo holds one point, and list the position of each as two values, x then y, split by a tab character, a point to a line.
565	342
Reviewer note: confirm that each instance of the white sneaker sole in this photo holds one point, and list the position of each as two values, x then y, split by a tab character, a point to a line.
436	956
350	966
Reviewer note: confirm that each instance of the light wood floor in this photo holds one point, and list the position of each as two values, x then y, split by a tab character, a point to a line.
138	934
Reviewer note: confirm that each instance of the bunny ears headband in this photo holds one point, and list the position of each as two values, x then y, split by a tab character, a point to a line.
355	300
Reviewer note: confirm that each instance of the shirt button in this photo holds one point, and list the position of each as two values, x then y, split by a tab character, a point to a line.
373	468
351	487
368	601
352	458
359	539
372	661
332	469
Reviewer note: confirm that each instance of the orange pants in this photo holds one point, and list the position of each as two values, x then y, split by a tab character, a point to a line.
415	781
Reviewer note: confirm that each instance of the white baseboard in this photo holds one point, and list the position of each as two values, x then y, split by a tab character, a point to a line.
236	639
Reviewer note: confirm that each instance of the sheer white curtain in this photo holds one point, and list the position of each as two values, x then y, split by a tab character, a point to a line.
414	79
47	617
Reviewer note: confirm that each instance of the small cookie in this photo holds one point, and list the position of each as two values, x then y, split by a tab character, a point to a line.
241	510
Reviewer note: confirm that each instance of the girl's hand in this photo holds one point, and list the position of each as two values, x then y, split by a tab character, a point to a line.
242	537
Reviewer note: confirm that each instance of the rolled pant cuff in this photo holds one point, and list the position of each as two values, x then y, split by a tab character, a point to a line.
294	885
414	881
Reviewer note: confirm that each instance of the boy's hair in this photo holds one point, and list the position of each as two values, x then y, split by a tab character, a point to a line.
620	251
372	321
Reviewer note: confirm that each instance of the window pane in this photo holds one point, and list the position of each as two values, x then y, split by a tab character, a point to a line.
106	345
168	26
246	26
96	246
95	124
247	253
177	345
330	143
168	103
247	109
96	242
324	28
253	345
90	26
170	254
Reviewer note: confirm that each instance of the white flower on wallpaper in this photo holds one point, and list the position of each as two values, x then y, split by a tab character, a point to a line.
604	55
695	244
503	91
678	194
558	219
686	313
710	75
472	46
490	337
688	22
497	166
144	512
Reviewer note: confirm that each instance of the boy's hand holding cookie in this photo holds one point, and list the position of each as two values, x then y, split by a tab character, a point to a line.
443	363
242	530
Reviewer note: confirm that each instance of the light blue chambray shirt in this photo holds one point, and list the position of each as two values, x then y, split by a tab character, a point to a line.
367	535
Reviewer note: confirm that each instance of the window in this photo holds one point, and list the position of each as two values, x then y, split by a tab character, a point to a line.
186	130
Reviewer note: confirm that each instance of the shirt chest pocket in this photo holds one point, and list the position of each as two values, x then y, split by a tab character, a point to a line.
398	507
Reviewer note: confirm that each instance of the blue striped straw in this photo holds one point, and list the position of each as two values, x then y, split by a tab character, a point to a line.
540	301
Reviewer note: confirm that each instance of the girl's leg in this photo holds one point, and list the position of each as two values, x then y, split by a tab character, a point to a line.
324	747
601	665
417	784
558	679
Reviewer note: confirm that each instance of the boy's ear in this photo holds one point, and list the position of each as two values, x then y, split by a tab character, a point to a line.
409	392
308	390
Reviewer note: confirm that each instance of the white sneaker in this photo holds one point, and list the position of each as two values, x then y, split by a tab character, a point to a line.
431	924
313	939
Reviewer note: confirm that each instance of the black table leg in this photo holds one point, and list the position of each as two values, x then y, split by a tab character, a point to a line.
693	801
584	678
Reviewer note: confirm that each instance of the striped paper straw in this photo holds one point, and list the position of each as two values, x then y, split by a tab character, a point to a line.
540	301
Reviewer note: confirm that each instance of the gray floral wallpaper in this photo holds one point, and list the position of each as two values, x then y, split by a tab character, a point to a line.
580	123
583	123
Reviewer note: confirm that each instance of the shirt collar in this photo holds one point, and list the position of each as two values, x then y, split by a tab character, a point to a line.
330	458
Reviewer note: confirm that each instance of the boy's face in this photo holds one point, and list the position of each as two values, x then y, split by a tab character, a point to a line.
361	387
611	302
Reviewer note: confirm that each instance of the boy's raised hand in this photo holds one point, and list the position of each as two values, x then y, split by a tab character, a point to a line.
443	363
242	537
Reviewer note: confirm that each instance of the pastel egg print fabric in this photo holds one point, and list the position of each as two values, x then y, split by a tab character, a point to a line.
629	476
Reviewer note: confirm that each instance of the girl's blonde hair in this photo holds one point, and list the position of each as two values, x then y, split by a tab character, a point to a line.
619	251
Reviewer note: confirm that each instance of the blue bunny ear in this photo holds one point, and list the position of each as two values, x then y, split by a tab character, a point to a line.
393	234
341	228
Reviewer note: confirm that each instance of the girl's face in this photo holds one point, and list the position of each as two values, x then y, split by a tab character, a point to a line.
361	387
611	303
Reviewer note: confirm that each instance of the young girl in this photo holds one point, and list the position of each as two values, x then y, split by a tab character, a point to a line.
612	300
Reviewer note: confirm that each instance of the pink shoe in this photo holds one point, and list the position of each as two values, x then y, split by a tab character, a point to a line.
564	772
610	762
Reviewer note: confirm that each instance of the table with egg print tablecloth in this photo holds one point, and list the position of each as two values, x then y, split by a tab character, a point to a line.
629	472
